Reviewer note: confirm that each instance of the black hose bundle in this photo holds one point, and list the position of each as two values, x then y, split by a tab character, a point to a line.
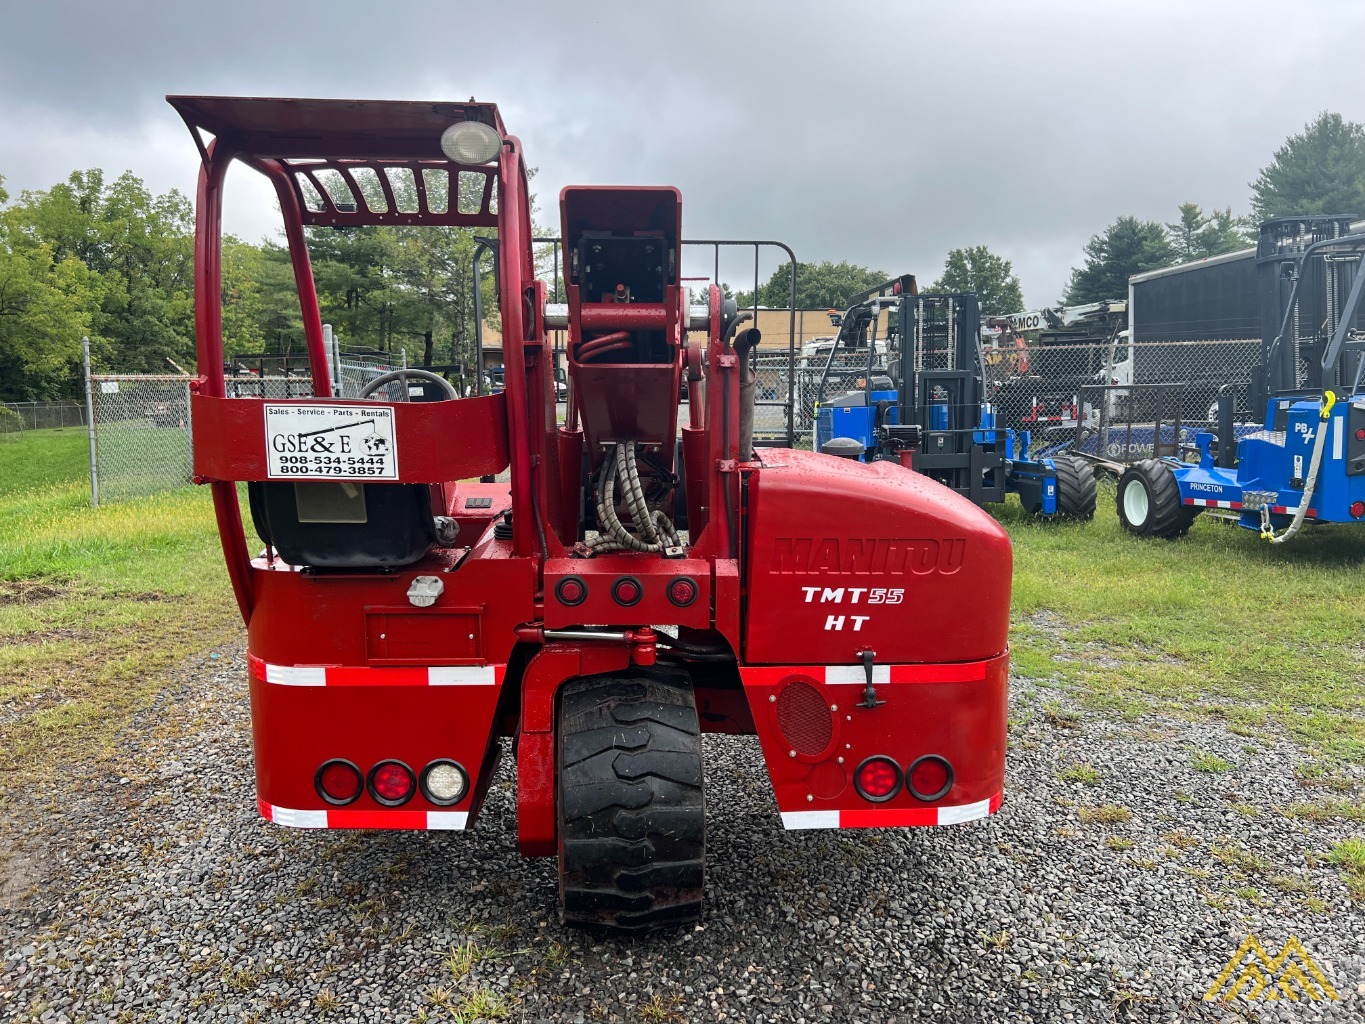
653	532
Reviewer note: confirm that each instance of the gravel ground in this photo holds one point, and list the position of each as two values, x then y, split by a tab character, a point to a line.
157	895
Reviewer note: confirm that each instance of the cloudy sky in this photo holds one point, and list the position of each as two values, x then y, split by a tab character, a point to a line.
882	133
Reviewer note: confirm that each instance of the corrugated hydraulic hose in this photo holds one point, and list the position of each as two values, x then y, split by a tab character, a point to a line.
654	532
1329	399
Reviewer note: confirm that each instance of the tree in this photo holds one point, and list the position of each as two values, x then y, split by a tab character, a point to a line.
823	285
1126	247
138	247
1197	236
45	304
1319	171
977	269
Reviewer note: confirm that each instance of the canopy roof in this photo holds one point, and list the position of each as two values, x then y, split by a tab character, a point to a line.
302	128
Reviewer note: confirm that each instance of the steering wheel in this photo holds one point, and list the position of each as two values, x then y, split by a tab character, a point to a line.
385	379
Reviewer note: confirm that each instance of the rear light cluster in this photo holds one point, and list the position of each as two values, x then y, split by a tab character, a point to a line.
879	778
627	591
391	783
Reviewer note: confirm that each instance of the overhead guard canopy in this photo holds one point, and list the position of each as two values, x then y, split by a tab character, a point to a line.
341	129
326	148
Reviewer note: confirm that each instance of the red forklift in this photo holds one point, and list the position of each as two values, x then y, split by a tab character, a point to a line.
635	582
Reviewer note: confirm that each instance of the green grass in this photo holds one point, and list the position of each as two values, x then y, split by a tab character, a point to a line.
1218	623
94	605
1349	857
35	459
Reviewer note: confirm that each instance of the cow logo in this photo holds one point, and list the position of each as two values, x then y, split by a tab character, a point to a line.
1252	975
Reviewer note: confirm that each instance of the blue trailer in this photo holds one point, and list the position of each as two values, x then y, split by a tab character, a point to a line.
1306	462
926	406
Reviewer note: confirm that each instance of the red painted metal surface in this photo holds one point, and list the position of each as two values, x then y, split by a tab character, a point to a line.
956	711
435	441
299	726
845	556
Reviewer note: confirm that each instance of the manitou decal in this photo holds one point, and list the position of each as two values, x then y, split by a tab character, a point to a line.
803	556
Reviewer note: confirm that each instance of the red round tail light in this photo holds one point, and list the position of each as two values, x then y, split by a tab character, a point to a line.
571	591
877	779
682	592
627	591
338	782
929	778
392	783
1357	509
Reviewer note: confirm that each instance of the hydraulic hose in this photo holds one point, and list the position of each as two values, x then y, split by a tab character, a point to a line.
1329	399
653	531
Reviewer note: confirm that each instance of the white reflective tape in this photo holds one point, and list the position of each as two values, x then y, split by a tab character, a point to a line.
963	812
291	675
810	819
298	819
447	819
461	675
835	674
1336	438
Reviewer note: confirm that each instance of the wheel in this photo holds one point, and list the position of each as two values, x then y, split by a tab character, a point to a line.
1075	487
1149	501
632	828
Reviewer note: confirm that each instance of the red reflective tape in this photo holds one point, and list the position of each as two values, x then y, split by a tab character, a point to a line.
968	672
771	675
361	818
891	817
353	675
996	801
264	809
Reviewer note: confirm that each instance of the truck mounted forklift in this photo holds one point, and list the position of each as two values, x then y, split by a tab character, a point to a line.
921	400
1306	463
612	600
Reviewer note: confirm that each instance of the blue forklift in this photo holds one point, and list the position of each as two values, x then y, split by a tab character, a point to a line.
1306	462
917	397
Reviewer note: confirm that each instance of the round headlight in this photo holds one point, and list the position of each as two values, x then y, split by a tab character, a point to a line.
471	142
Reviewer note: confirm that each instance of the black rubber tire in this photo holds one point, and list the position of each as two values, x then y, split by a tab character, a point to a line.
1075	487
1162	515
632	825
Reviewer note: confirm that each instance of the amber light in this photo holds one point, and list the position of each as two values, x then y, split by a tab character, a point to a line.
877	779
392	783
338	782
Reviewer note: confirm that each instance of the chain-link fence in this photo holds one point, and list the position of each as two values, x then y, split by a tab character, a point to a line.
41	416
142	424
1050	389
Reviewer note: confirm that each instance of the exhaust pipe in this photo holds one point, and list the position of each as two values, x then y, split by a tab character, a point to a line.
748	387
